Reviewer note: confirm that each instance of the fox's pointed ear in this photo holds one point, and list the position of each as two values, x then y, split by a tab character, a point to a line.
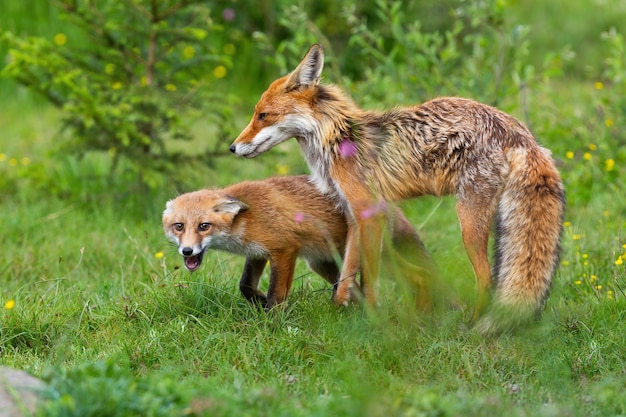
309	71
230	205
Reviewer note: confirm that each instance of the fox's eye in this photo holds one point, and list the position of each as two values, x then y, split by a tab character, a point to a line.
203	227
262	116
178	227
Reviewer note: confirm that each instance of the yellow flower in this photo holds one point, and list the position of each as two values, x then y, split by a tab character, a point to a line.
158	255
578	282
60	39
564	263
25	161
609	164
116	85
170	87
608	122
624	246
282	169
3	157
619	260
599	85
586	156
605	213
609	294
577	237
13	162
567	224
9	304
219	71
585	256
593	146
593	278
598	287
109	68
569	155
189	52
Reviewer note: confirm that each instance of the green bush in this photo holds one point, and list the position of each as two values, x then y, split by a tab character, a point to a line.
143	70
480	55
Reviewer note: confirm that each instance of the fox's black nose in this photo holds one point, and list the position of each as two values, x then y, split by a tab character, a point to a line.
187	251
233	148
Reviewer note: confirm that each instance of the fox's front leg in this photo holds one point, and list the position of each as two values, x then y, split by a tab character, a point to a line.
249	282
351	264
282	266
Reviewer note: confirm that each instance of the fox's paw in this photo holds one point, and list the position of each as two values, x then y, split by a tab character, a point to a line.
342	294
341	301
255	297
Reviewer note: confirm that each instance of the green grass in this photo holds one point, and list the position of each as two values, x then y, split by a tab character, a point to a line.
96	311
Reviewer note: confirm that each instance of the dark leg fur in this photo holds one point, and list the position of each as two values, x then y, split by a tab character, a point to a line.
249	282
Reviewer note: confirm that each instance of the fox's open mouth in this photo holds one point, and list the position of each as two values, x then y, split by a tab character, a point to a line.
193	262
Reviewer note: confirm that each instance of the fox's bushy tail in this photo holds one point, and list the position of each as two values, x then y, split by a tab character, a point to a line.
529	223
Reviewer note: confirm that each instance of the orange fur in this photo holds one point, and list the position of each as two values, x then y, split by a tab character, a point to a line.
487	158
277	219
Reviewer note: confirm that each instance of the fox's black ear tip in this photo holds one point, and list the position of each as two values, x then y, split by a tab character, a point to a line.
317	47
316	52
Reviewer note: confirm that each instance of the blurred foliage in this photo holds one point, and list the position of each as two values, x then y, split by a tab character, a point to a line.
145	70
132	89
478	55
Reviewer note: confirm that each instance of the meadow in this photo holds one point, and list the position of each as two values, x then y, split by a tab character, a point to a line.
96	302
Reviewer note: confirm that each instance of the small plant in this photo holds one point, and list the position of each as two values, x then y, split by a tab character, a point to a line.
125	88
108	388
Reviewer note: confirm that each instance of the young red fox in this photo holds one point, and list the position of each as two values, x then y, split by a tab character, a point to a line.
277	219
485	157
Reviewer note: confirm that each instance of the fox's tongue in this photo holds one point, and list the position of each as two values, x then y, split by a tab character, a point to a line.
192	262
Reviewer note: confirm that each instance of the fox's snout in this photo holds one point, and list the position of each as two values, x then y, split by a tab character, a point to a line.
247	150
189	250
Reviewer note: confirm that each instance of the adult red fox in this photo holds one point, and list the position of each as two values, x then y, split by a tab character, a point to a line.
279	219
489	160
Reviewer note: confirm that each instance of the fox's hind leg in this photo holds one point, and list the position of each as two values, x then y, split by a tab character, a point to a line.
249	282
327	270
476	219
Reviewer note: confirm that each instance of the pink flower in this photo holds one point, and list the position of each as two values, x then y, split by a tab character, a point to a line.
378	207
347	148
299	217
228	14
